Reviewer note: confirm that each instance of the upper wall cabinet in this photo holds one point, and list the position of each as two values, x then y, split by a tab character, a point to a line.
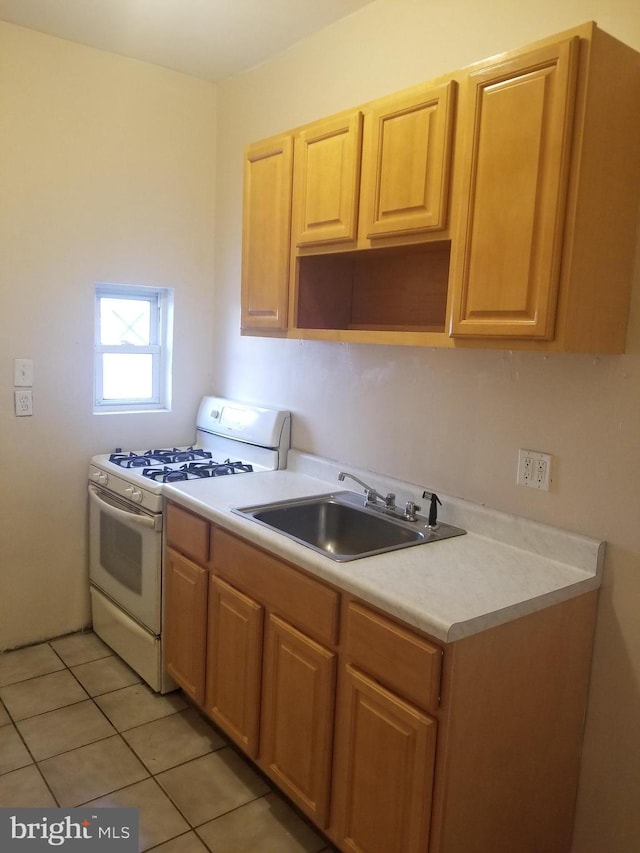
548	198
326	181
516	158
496	207
355	186
405	162
266	230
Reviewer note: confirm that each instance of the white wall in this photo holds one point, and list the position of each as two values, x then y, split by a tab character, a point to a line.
107	173
454	420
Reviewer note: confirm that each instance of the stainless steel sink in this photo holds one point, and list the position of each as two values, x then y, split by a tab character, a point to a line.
340	527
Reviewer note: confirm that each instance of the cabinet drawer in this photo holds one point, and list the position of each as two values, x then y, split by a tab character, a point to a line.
302	601
187	533
395	656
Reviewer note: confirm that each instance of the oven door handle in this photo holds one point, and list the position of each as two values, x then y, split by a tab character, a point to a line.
154	523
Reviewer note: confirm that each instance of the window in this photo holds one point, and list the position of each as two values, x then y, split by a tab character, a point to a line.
132	360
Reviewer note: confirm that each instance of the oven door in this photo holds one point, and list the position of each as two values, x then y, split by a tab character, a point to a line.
125	556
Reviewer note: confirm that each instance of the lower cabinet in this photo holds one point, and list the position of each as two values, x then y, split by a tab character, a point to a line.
185	623
297	716
384	760
387	742
234	663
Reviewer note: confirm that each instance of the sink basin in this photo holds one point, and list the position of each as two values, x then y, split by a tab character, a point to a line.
339	526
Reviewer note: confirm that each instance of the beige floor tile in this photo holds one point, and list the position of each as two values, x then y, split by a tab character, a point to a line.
159	820
136	705
80	648
92	771
13	752
64	729
267	825
211	785
28	663
104	675
189	843
41	694
4	717
173	740
25	787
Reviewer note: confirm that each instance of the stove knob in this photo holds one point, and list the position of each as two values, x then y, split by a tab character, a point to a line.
101	478
134	494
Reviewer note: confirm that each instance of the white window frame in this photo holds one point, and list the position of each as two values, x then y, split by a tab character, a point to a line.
160	348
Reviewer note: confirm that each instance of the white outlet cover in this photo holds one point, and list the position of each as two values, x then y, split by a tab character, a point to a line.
534	469
23	402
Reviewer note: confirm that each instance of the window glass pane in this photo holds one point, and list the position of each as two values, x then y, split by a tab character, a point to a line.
127	376
125	321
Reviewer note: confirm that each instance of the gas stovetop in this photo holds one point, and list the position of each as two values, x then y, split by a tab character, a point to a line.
176	464
231	438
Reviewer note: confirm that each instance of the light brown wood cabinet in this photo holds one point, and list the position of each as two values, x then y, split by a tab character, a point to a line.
327	180
406	160
266	233
185	623
234	663
186	582
384	763
298	699
252	642
494	207
379	171
518	141
369	185
386	739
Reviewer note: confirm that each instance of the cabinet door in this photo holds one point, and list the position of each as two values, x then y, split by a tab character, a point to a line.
383	771
185	623
266	232
326	181
234	663
506	262
297	717
406	159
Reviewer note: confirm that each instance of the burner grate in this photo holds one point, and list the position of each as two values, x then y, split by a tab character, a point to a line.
196	471
158	457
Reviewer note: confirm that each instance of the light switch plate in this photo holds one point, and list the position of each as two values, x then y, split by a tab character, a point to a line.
23	372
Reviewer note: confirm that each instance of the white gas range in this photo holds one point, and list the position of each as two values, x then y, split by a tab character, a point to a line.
125	519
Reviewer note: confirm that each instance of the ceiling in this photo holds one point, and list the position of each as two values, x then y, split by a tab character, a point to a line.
212	39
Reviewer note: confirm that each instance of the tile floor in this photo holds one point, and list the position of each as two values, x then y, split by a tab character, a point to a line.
78	728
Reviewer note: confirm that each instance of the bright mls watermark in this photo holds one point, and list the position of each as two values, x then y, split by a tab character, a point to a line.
82	830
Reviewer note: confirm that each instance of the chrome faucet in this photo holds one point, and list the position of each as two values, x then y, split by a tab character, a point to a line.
389	501
371	493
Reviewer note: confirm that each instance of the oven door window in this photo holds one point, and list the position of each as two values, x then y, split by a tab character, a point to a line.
121	552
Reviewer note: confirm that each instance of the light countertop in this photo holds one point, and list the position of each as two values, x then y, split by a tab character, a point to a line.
503	568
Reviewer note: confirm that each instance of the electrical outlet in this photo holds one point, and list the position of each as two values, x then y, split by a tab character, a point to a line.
23	402
534	469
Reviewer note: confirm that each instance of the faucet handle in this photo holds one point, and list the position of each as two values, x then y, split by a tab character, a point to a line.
411	511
